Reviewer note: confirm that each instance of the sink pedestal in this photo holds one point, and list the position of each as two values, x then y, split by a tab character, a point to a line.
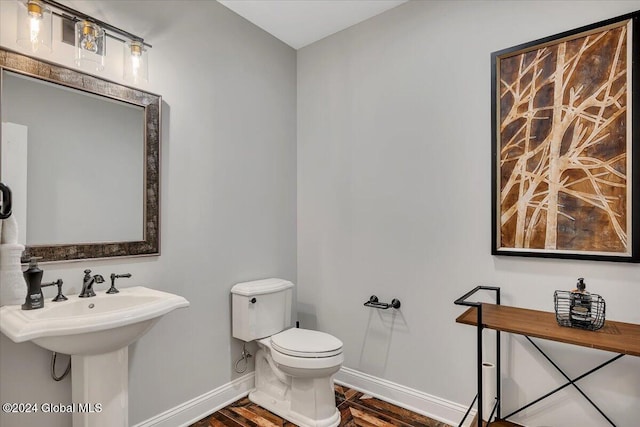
100	389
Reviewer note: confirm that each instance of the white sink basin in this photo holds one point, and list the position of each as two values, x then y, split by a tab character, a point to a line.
95	325
96	332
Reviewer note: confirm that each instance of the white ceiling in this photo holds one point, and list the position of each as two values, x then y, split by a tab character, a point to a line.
302	22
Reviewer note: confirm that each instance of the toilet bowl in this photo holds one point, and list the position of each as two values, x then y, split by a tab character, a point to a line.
294	367
294	376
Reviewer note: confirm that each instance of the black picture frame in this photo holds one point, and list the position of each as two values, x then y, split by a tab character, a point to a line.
546	162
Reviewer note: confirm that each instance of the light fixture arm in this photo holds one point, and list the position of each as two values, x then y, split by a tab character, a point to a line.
77	15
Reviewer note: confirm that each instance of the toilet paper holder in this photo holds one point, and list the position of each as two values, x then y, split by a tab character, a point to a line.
373	302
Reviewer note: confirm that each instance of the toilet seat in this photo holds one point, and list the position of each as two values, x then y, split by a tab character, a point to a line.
313	350
297	342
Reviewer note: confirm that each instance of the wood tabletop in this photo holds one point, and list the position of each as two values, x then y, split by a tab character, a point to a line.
619	337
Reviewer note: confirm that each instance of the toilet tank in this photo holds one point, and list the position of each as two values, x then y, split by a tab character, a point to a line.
260	308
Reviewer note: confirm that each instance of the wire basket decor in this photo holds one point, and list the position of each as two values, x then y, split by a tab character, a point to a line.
579	310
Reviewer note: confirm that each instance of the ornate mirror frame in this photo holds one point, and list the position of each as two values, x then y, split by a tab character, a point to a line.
150	245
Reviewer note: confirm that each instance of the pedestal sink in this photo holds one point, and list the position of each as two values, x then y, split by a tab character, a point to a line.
96	332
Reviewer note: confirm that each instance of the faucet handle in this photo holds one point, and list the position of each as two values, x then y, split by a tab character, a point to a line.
59	297
57	283
87	273
114	276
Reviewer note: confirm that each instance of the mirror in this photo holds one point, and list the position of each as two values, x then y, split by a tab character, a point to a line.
79	169
81	155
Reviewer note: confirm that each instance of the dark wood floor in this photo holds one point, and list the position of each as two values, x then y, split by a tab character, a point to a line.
502	423
356	409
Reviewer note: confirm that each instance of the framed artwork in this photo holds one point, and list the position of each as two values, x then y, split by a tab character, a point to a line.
565	154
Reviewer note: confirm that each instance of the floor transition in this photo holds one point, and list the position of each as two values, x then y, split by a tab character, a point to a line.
356	409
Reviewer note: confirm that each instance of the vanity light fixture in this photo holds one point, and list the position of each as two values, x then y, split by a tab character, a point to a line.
34	25
136	67
90	45
89	37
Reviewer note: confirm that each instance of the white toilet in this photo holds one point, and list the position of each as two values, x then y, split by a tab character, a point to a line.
294	367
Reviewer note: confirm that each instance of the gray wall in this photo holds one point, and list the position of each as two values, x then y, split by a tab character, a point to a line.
394	200
228	201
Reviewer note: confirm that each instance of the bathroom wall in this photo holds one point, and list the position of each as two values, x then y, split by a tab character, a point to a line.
394	200
228	199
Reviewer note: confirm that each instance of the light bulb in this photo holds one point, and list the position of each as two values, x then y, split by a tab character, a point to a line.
135	62
34	25
35	16
88	43
136	56
34	29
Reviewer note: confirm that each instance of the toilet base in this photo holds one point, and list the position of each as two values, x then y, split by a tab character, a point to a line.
282	408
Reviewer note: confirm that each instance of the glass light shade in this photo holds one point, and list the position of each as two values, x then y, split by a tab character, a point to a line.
34	26
136	66
91	46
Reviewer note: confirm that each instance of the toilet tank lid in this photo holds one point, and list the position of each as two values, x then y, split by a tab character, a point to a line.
259	287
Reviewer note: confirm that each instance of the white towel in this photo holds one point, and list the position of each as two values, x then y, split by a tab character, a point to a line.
13	288
9	232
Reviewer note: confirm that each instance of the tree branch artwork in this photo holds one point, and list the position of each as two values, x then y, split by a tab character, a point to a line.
563	144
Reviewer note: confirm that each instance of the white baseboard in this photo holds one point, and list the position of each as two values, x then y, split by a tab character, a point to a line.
405	397
195	409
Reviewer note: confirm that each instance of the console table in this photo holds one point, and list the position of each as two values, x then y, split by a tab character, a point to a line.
618	337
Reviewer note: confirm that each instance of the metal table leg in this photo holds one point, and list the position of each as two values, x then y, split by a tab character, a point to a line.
570	382
480	327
